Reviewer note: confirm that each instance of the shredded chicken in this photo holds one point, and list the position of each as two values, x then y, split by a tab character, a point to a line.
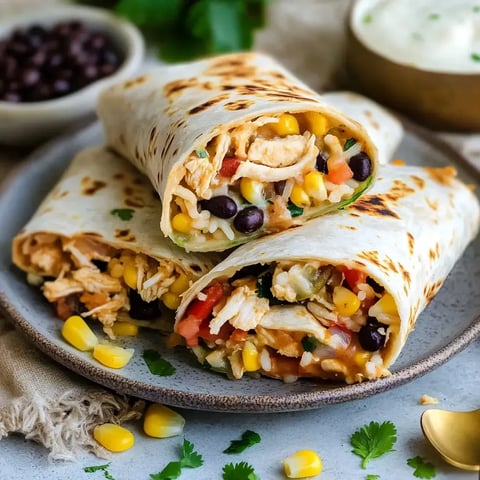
278	152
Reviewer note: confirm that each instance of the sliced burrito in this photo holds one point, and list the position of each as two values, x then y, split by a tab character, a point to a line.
93	247
237	148
336	298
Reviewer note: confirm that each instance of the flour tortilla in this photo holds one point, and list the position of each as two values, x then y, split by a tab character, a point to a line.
406	233
160	119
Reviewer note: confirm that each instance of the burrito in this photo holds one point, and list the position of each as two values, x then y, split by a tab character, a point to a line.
336	298
236	148
91	247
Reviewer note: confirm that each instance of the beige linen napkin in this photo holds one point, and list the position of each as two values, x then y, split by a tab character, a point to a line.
49	404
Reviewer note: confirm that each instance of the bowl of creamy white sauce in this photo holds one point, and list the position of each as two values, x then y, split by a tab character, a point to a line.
420	57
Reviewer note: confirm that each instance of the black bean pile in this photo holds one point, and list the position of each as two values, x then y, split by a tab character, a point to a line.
38	63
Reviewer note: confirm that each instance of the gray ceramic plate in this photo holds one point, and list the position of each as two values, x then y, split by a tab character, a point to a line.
447	326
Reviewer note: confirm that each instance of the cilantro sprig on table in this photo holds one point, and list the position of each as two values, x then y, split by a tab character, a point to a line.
186	29
239	471
422	469
249	438
100	468
189	458
373	440
157	364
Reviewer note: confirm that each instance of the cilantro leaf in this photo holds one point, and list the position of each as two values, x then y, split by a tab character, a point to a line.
239	471
158	365
309	344
151	13
188	459
350	142
123	213
97	468
372	477
373	440
294	210
367	18
422	468
249	438
434	16
475	57
264	285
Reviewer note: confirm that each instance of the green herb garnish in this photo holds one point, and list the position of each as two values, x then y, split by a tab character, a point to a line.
123	213
98	468
350	142
367	18
239	471
434	16
186	29
373	440
294	210
248	439
201	153
422	468
309	344
158	365
264	285
476	9
188	459
372	477
475	57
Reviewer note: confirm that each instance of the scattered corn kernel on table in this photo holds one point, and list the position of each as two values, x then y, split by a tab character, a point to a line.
326	430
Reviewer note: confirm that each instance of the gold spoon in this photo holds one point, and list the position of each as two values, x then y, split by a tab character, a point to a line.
455	435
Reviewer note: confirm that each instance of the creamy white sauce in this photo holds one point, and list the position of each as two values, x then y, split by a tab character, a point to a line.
435	35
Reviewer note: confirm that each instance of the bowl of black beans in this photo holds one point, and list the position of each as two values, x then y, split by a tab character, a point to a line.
53	65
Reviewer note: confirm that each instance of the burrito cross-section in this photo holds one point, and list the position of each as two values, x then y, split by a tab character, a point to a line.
93	249
336	298
237	148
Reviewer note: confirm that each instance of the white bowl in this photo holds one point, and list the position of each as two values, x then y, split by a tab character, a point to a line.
27	124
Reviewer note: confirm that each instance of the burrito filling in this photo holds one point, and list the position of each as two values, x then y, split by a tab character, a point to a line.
267	175
81	276
290	320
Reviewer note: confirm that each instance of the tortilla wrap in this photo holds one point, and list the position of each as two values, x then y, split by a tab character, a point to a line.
236	148
385	130
93	247
337	297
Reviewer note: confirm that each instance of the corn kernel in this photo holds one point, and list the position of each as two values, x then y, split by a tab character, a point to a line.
162	422
111	355
302	464
115	267
113	437
386	305
182	223
299	197
287	125
180	284
125	329
316	123
170	300
76	332
361	358
314	185
130	275
251	190
345	301
250	357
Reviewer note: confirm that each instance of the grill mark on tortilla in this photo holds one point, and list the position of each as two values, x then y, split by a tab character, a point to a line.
408	279
419	182
349	227
373	205
118	176
444	175
210	103
124	235
431	290
238	105
135	202
135	81
138	181
153	134
178	86
90	187
411	243
167	145
433	204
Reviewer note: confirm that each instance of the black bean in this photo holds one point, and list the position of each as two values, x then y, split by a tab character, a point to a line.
248	220
372	336
97	41
101	265
279	187
29	77
361	166
40	92
110	56
61	86
141	310
38	58
321	164
377	288
12	97
221	206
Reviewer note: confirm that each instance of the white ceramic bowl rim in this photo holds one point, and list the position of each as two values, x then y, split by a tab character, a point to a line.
132	51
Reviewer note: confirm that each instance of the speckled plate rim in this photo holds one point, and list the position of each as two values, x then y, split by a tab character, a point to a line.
235	403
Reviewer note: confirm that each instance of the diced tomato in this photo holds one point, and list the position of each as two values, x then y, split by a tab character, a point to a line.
353	277
238	335
224	333
229	166
339	173
188	327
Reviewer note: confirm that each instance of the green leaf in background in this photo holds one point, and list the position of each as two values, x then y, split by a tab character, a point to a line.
151	13
158	365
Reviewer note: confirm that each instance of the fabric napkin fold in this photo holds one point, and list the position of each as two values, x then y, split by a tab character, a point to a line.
51	405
